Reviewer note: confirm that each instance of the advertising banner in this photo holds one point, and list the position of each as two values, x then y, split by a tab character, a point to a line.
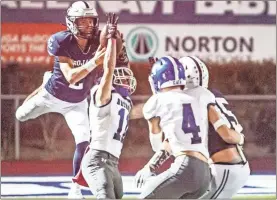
26	43
216	42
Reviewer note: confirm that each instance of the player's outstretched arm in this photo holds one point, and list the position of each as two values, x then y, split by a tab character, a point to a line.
228	135
73	75
103	94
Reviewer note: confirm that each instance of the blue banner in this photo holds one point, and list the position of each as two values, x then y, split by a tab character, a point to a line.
164	12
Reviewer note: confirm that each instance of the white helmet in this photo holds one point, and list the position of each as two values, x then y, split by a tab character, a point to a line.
196	71
82	9
124	77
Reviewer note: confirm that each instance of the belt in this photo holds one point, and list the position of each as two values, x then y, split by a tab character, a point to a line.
107	155
224	163
192	154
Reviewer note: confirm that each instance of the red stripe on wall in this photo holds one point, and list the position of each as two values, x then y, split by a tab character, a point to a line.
128	166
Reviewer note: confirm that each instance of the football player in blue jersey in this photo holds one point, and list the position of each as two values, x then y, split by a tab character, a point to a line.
77	53
229	161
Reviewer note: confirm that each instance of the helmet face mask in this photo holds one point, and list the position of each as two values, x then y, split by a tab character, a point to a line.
82	20
124	77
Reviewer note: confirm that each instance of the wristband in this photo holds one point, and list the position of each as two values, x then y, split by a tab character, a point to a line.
219	123
90	65
156	140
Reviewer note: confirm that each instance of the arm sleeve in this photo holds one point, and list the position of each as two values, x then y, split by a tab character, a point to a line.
150	107
209	99
56	46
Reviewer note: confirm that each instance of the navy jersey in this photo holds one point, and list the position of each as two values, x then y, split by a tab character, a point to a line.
215	142
65	44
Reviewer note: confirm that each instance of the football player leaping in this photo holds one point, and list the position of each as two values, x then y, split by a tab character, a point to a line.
77	53
232	168
183	116
109	117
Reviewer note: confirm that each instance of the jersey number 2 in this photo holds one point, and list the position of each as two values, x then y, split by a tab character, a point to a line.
120	135
76	86
189	125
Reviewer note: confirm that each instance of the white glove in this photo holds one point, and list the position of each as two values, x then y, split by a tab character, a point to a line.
142	175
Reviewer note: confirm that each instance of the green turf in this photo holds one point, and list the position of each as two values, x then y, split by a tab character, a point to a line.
255	197
130	197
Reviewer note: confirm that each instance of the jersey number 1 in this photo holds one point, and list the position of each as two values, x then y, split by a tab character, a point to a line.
120	135
189	125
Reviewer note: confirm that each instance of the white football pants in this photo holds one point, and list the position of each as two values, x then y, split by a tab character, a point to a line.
227	180
75	114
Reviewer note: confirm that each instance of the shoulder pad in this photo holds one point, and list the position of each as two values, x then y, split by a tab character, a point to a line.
208	96
57	43
217	93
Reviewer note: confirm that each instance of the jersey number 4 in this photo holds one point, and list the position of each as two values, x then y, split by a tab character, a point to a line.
189	125
121	132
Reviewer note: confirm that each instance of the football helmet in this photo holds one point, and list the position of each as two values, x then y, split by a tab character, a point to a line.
166	72
124	81
197	73
82	20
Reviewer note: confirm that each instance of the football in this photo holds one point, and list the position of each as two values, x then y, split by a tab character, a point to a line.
104	40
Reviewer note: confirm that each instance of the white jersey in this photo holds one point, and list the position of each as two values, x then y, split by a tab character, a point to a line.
109	123
184	117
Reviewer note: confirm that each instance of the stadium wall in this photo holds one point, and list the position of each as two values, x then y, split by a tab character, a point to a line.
52	148
265	165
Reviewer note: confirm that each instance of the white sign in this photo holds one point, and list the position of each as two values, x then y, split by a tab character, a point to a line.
215	42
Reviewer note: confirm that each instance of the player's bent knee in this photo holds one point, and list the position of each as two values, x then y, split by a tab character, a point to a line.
20	115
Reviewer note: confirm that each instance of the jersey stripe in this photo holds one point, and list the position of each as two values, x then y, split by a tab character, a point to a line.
199	70
175	67
87	6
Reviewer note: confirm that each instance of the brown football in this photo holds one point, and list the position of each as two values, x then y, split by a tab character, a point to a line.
104	40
